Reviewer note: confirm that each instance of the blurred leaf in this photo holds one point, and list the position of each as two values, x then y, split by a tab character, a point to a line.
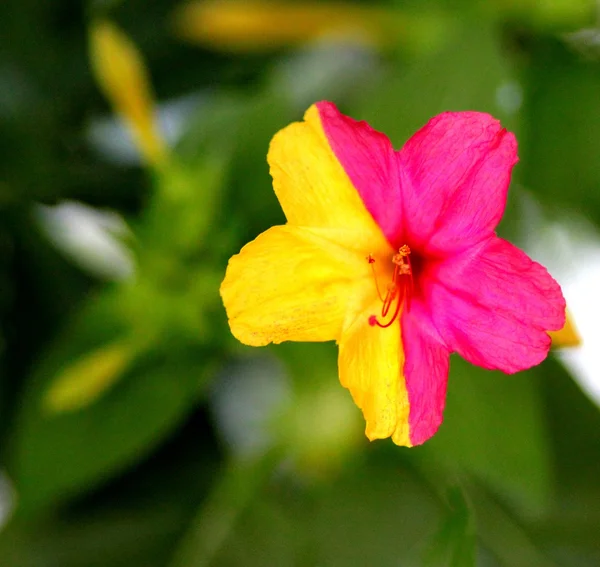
136	520
494	426
179	221
55	456
117	538
374	513
322	428
547	15
503	534
585	42
448	79
244	126
574	427
454	544
561	149
238	485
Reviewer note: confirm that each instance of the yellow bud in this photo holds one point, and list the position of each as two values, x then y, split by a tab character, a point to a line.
87	378
254	25
123	78
567	336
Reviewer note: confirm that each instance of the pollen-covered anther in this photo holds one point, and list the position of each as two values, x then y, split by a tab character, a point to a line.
399	289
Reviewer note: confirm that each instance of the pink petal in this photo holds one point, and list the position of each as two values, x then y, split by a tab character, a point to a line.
425	372
369	161
455	173
494	306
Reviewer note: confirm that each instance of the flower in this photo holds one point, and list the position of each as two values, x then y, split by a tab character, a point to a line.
393	255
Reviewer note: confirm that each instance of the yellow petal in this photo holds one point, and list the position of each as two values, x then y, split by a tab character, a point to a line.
122	76
567	336
87	378
246	25
311	185
295	283
371	361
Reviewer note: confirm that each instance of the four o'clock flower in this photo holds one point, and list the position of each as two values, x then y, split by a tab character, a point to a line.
393	255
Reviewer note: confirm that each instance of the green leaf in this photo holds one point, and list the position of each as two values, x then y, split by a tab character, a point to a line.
554	15
322	427
562	143
180	217
135	521
55	456
451	79
494	427
375	512
454	544
244	126
574	426
503	535
239	484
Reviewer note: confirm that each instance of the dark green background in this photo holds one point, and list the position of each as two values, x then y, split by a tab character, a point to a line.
145	475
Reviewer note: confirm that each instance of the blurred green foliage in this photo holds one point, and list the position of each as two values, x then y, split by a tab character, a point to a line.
147	470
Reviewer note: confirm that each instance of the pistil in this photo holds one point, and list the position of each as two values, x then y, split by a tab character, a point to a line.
399	290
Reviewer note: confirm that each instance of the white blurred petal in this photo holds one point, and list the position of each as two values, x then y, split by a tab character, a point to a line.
110	138
89	237
325	70
509	97
570	249
246	399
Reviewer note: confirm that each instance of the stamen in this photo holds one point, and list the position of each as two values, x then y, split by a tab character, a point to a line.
399	291
371	261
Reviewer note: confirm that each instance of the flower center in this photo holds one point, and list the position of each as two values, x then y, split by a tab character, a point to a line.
398	291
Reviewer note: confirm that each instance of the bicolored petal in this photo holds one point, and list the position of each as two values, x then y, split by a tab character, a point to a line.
494	305
312	185
445	190
426	373
369	160
397	376
370	366
294	283
454	175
